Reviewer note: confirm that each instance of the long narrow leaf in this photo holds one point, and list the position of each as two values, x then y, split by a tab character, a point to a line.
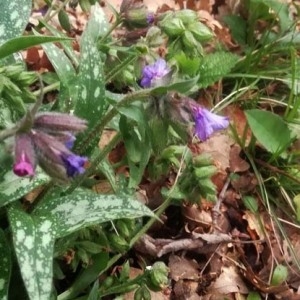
23	42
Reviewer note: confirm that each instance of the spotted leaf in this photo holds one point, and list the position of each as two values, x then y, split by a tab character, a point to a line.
5	265
33	240
85	208
14	16
91	102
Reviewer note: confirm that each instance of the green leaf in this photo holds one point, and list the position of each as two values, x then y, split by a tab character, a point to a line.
280	275
269	129
33	240
250	203
84	208
91	103
61	63
67	44
13	187
5	265
66	73
215	66
14	16
23	42
238	27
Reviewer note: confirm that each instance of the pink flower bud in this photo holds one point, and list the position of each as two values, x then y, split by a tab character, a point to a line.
54	122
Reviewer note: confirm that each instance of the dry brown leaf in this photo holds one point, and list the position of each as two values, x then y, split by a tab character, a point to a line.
228	282
182	268
237	164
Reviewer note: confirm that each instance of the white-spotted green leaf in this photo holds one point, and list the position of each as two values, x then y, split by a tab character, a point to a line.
91	102
84	208
14	187
65	72
67	45
33	240
60	62
14	16
5	265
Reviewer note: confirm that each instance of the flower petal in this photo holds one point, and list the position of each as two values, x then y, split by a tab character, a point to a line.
74	164
206	122
152	74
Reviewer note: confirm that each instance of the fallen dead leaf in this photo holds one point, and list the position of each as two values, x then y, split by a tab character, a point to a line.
228	282
182	268
237	164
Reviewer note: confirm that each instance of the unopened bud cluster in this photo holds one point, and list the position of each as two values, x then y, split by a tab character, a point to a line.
135	14
46	139
14	83
185	31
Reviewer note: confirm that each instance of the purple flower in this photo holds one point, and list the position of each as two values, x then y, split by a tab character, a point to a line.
25	161
23	167
152	74
206	122
150	18
74	164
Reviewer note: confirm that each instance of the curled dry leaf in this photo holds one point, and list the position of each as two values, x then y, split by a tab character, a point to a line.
236	163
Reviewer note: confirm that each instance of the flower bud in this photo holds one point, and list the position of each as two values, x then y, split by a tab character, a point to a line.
118	243
189	41
58	122
173	27
142	293
187	16
200	32
50	150
25	161
158	275
135	14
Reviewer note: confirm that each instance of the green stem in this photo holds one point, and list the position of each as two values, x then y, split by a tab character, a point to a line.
115	71
52	87
48	15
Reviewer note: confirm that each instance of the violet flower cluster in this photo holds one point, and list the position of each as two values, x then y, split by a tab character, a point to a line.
153	75
206	122
46	140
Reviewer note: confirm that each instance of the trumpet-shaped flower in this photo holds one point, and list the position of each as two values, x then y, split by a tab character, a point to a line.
206	122
24	156
153	74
